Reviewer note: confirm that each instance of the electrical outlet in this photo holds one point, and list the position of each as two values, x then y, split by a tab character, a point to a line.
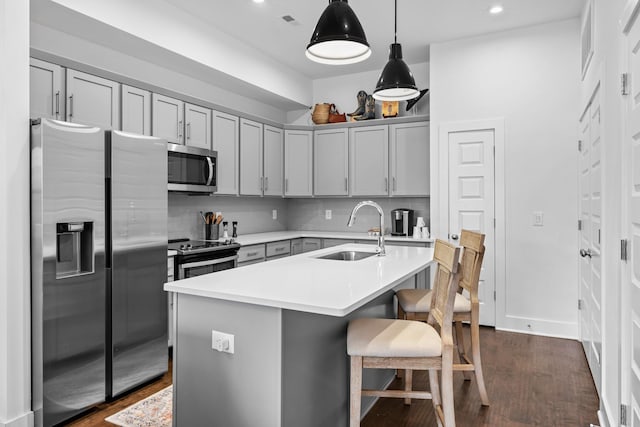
538	219
327	214
274	214
222	342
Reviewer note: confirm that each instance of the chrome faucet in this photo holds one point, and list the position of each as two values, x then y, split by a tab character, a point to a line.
352	219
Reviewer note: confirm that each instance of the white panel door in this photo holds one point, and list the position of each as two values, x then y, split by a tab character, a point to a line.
136	110
251	176
631	286
226	141
471	203
273	161
197	126
92	100
331	162
46	88
168	118
590	208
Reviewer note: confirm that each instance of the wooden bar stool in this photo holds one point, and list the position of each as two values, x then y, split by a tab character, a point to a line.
408	344
414	304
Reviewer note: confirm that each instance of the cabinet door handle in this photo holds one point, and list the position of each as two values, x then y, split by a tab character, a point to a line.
266	183
179	128
188	130
70	105
346	184
386	184
261	183
286	185
57	104
395	187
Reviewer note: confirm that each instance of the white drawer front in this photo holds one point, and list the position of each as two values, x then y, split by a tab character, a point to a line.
278	248
250	253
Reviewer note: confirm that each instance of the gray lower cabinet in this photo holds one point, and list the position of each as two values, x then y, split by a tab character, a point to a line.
251	254
278	249
327	243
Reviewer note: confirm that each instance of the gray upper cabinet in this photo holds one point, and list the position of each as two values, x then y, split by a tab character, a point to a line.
226	141
92	100
331	162
136	110
168	116
273	161
409	159
369	164
251	176
46	83
197	126
298	162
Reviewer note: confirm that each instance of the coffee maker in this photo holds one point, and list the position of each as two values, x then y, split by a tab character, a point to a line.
401	222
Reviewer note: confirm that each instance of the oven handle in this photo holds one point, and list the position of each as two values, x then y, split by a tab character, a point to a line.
210	170
208	262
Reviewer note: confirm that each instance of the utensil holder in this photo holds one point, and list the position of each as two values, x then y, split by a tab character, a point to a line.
211	232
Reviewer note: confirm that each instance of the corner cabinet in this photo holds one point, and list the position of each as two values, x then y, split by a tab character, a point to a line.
369	164
273	161
46	96
136	110
92	100
331	162
298	163
251	174
226	141
409	159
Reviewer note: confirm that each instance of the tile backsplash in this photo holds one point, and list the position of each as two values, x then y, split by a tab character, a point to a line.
309	214
255	214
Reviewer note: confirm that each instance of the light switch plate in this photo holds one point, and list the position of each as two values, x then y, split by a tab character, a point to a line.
327	214
538	219
274	214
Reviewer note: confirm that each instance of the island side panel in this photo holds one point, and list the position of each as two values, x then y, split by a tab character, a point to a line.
315	365
212	388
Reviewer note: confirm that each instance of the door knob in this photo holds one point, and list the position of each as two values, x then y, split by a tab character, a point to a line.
585	253
454	237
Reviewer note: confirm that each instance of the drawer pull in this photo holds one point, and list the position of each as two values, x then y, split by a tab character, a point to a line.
279	249
252	253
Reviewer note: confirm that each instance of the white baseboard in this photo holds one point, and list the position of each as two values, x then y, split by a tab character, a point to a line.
546	328
602	419
25	420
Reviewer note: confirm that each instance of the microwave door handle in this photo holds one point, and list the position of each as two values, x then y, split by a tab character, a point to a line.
210	170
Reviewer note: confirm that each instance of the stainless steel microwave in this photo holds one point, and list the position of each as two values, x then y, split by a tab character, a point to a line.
192	169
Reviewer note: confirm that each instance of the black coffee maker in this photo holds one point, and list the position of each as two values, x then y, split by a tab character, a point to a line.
402	222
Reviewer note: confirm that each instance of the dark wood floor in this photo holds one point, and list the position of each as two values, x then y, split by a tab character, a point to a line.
531	381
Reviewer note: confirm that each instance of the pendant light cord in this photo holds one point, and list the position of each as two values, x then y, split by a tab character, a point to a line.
395	25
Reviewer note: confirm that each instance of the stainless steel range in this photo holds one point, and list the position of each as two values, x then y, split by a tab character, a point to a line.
198	257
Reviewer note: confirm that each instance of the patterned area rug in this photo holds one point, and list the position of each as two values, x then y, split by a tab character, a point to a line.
154	411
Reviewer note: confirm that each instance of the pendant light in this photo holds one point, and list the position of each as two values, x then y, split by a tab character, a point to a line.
338	38
396	83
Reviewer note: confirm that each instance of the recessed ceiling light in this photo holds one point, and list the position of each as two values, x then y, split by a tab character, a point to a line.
495	10
258	1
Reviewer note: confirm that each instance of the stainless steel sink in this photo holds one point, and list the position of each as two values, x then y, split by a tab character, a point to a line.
347	255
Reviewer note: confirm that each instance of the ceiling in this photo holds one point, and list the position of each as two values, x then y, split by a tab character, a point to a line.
420	23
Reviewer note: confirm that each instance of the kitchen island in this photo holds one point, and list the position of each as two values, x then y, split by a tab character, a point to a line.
288	318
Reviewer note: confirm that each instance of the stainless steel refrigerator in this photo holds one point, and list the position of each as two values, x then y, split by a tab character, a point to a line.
99	262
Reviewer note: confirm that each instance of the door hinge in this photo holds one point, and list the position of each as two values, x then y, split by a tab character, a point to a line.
623	414
624	84
580	145
579	224
624	249
579	304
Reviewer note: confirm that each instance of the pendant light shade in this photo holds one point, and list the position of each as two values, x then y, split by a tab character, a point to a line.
396	83
338	38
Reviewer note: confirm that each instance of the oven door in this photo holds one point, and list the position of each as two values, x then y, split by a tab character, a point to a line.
198	268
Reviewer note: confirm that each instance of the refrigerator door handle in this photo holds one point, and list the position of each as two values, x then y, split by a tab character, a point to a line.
210	162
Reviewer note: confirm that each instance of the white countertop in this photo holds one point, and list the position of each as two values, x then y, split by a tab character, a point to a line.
257	238
305	283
